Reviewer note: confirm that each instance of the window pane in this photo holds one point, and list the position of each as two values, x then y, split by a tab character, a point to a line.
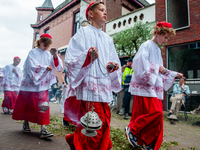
177	13
36	36
76	22
185	59
47	31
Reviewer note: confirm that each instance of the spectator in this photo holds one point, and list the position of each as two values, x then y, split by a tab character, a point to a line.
196	111
180	93
127	95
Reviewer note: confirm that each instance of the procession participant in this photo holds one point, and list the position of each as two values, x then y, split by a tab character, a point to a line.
64	95
148	81
10	80
93	71
32	104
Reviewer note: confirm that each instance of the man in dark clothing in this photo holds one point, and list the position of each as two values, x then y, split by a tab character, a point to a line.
127	95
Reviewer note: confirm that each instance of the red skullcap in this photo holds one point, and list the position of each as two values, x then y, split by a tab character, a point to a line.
164	24
46	35
16	57
88	10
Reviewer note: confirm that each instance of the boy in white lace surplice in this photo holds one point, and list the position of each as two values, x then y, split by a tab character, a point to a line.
148	81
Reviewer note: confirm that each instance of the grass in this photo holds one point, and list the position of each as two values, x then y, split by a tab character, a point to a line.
117	135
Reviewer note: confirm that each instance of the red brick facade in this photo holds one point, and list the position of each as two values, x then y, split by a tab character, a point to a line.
187	35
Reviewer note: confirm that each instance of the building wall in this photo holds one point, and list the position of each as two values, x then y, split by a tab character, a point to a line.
186	35
148	13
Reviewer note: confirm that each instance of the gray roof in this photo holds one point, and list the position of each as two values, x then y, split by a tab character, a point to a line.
144	2
47	4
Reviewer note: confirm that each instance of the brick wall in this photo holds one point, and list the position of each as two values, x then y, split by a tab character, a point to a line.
187	35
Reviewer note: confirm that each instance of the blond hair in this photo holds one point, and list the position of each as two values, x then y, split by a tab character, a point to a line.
163	31
47	41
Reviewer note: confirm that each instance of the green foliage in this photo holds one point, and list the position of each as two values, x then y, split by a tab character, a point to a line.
127	42
166	145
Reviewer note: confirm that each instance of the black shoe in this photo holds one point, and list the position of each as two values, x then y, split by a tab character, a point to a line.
65	123
169	114
126	116
45	134
26	128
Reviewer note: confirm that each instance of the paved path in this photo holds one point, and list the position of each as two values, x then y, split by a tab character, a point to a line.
12	137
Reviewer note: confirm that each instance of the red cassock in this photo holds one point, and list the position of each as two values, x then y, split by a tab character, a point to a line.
147	123
28	107
74	110
10	98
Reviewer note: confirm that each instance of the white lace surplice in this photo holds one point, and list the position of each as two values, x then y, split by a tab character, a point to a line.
92	82
10	80
146	80
36	78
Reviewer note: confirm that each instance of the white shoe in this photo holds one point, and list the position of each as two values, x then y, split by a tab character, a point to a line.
122	111
53	99
5	110
56	102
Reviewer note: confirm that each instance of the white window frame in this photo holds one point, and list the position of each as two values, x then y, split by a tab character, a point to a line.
188	16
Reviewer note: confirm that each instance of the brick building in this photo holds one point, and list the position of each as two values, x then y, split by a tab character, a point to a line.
63	21
182	54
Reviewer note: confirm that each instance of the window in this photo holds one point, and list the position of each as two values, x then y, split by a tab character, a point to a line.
76	22
37	36
177	13
185	59
46	30
40	17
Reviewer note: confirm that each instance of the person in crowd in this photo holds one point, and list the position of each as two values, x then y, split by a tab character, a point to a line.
180	93
93	71
10	80
32	104
196	111
126	79
148	81
56	91
64	94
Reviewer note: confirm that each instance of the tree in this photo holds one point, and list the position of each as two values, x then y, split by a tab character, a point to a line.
127	42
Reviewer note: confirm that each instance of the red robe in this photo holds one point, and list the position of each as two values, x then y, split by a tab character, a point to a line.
75	109
147	123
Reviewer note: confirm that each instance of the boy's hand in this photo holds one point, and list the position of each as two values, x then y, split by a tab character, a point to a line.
49	68
112	66
14	70
94	53
179	75
162	70
65	85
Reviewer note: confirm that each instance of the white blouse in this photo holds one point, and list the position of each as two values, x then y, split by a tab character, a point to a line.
92	82
10	80
146	80
36	78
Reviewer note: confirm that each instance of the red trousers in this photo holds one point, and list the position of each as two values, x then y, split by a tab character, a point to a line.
10	98
147	121
78	108
28	107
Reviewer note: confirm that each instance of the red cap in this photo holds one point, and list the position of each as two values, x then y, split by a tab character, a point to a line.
46	35
88	10
164	24
16	57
